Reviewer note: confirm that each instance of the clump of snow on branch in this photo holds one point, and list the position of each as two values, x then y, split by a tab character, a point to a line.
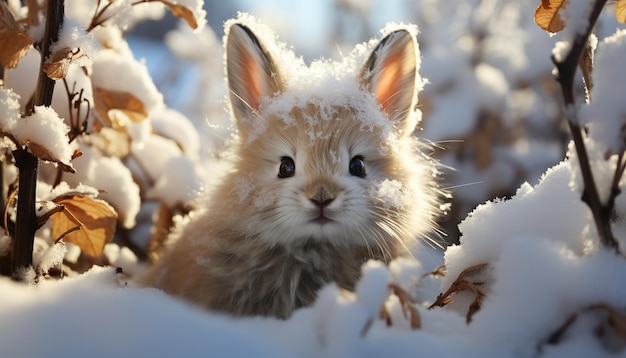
44	128
75	37
605	115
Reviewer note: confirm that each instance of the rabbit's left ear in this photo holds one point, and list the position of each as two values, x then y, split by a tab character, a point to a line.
390	74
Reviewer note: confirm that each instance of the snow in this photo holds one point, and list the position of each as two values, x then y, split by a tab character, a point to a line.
392	193
108	70
605	114
540	274
544	261
10	106
197	10
75	37
111	176
44	128
172	124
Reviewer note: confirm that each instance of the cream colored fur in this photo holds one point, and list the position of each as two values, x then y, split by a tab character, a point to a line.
258	247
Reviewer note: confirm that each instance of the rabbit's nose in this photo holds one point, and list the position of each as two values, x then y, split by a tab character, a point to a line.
321	204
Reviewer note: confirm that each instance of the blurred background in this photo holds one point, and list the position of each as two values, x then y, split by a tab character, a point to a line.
492	109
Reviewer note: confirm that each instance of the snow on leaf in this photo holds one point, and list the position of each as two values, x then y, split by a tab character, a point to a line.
117	108
547	15
182	12
60	62
408	309
45	134
43	153
620	11
96	219
464	283
112	177
14	43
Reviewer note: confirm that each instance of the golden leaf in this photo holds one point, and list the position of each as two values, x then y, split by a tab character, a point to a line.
620	11
182	12
115	107
14	43
59	63
111	142
547	15
95	217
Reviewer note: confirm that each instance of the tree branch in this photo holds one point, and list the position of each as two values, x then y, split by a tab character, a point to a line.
26	222
566	73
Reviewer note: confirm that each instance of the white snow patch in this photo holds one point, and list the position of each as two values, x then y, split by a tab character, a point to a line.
46	129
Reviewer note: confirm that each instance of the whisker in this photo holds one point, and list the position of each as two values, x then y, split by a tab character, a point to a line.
252	109
463	185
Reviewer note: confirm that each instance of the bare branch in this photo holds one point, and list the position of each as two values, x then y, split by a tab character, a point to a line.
27	164
566	68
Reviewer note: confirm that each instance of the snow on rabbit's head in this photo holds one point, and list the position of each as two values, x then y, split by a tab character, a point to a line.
326	151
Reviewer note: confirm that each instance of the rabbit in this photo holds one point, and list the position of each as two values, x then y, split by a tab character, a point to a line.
327	175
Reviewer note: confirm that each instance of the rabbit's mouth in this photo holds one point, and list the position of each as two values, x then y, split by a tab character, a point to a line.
322	219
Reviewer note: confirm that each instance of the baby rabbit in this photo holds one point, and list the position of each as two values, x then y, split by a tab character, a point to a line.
327	176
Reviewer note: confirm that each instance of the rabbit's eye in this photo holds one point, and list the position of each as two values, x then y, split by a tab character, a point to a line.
357	167
287	168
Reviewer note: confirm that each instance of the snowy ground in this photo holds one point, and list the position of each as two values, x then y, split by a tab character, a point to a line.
534	281
544	268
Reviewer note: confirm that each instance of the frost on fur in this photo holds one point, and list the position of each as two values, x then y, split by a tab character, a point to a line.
326	175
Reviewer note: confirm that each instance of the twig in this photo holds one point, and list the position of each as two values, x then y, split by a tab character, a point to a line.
26	222
566	72
461	284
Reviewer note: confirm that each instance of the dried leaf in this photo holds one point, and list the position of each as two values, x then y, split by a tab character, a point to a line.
33	13
463	284
620	11
182	12
408	310
59	63
14	43
43	153
115	108
161	230
95	217
547	15
439	271
111	142
617	318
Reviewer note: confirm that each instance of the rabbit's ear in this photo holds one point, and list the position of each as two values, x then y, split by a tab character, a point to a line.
251	72
390	74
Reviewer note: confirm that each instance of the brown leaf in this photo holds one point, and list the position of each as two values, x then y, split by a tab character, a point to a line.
43	153
620	11
408	310
115	107
182	12
161	230
33	13
111	142
462	283
14	43
95	217
547	15
617	318
59	63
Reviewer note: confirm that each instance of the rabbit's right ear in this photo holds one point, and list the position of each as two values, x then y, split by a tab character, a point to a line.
251	73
